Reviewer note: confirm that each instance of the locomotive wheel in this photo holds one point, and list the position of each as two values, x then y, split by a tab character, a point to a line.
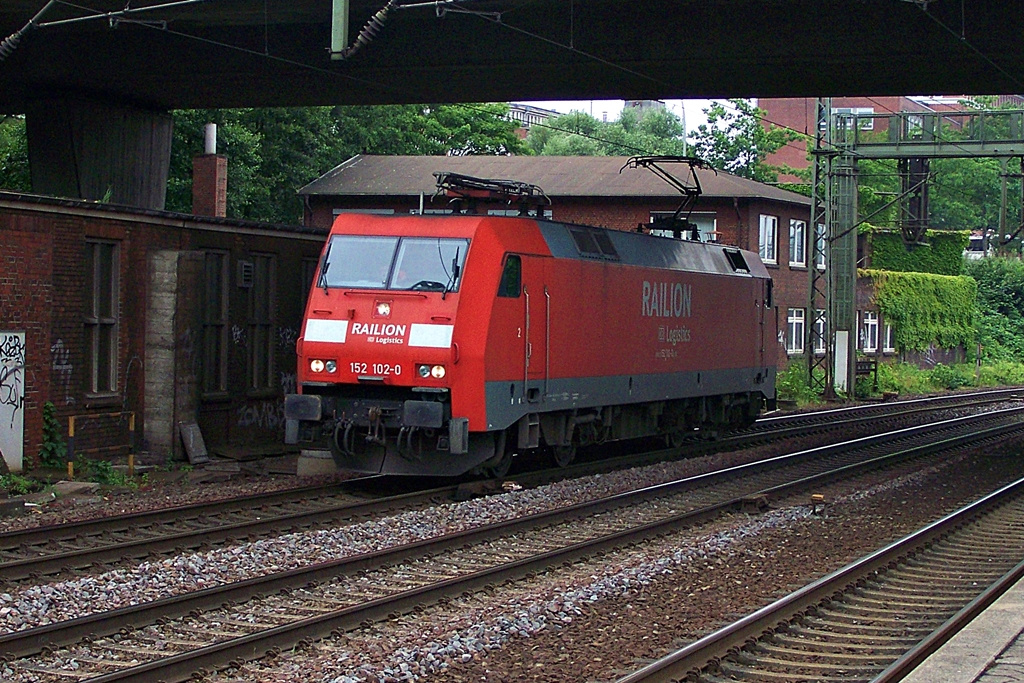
498	466
563	455
675	439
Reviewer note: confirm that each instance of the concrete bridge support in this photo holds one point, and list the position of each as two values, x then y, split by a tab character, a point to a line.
87	149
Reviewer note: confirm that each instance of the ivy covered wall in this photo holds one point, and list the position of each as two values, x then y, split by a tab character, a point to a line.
942	256
926	309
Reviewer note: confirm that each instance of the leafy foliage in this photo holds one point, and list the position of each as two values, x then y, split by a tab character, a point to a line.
734	140
18	484
54	450
926	309
273	152
1000	307
791	385
942	256
14	174
651	131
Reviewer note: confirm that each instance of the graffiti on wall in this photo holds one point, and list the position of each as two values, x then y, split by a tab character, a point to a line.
62	366
286	338
267	415
12	398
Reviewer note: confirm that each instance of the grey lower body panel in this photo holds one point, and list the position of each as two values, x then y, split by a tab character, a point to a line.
507	402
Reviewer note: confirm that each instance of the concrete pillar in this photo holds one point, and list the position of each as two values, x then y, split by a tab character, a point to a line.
173	333
87	149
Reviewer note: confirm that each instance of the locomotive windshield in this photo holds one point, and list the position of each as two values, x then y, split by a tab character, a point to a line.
410	263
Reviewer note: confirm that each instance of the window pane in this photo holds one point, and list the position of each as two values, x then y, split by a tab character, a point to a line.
511	277
358	262
428	263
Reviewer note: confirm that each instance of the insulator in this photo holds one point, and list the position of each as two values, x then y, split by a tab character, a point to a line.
8	44
369	32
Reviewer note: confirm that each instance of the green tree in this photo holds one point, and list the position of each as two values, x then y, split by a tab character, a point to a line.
735	140
1000	306
14	175
273	152
651	131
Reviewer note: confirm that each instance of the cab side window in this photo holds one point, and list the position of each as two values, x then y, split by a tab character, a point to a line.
511	277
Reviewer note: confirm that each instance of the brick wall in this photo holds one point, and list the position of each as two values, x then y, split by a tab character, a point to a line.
42	292
27	305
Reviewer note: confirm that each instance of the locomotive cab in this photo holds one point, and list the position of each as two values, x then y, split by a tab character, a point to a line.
376	353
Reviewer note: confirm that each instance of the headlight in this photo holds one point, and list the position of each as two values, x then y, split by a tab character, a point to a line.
383	309
331	366
435	371
316	365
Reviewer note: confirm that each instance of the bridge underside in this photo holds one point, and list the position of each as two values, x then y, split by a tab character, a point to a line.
230	53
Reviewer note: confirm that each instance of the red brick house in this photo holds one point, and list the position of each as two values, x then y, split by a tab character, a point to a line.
597	191
109	311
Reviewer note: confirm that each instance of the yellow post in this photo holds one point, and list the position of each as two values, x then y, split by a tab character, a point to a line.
131	444
71	447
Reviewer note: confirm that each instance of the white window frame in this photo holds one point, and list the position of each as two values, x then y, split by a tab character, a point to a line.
869	331
795	332
797	242
888	339
767	242
820	331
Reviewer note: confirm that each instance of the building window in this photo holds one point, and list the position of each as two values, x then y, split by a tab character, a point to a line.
514	213
797	238
767	236
706	222
820	331
795	331
215	323
888	340
821	246
869	332
261	322
101	316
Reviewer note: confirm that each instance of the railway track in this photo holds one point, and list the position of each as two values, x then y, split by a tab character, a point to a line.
194	631
874	620
67	549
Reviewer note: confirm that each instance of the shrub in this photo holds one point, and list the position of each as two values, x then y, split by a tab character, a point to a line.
54	451
950	376
791	385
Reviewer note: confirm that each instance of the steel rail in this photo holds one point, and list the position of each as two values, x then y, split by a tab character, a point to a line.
28	642
268	522
713	648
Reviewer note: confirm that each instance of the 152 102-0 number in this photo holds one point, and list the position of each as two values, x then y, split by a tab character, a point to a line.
379	369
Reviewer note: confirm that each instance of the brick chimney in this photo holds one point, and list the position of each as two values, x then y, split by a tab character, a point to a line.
210	179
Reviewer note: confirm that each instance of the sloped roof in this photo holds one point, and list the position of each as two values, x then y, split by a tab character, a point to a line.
372	175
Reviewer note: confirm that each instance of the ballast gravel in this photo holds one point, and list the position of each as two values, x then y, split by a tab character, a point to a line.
425	646
54	602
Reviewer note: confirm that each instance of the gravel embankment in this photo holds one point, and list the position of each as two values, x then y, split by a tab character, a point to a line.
593	621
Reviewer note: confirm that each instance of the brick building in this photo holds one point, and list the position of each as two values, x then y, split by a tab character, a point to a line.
173	318
597	191
800	114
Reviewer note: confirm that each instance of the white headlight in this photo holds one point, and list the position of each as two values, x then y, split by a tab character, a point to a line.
437	372
316	365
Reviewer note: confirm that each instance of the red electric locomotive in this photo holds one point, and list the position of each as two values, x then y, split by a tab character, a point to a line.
439	345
